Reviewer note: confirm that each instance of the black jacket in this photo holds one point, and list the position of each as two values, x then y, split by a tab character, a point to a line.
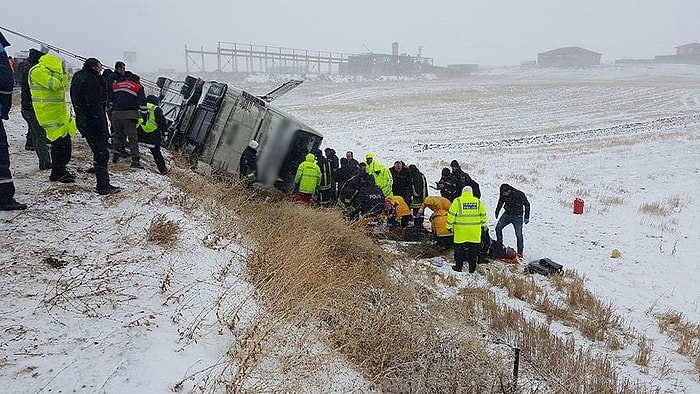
514	204
463	179
7	83
109	85
154	137
419	189
87	95
403	184
449	187
248	164
369	201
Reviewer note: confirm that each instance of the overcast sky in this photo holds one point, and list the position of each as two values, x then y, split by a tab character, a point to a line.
486	32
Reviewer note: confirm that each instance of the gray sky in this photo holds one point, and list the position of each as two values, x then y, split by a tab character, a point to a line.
487	32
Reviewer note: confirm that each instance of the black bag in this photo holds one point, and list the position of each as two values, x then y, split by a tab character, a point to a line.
544	267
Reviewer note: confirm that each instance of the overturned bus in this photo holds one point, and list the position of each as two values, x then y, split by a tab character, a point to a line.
213	123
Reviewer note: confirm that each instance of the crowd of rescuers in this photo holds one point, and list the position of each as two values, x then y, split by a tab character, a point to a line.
111	111
399	197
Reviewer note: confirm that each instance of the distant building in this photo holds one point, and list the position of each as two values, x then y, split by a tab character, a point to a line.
685	54
568	57
377	64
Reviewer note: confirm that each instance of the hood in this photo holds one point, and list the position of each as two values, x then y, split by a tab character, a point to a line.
52	62
310	157
467	191
35	55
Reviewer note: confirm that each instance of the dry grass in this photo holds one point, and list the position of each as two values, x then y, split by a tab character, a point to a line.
312	270
608	201
655	209
163	232
685	333
644	350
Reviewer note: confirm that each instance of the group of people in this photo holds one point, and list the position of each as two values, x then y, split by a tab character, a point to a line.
400	195
95	96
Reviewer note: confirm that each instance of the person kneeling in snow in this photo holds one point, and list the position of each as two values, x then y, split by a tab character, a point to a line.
438	219
150	132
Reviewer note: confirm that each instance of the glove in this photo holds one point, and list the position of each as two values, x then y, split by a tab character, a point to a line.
526	221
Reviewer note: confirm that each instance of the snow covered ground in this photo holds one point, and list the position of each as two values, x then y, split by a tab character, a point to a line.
624	139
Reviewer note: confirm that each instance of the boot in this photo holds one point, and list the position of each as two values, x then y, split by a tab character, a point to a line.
108	190
12	205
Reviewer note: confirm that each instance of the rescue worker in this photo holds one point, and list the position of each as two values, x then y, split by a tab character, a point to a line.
87	95
335	165
438	219
351	161
248	166
324	191
465	219
369	200
47	84
419	191
129	105
150	133
36	138
516	211
7	186
464	179
384	180
344	173
117	75
402	183
307	179
347	192
372	165
448	185
398	212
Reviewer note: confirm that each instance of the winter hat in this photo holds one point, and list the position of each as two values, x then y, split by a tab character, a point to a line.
253	144
3	41
467	189
34	55
152	99
446	171
454	163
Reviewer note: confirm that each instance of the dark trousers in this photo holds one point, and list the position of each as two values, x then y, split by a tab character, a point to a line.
61	151
158	158
469	252
125	129
517	221
7	187
97	140
38	136
326	197
418	221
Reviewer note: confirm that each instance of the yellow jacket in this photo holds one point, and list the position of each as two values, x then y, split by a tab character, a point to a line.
47	85
308	175
466	217
400	207
438	219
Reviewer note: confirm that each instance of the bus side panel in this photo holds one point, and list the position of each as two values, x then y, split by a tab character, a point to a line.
237	132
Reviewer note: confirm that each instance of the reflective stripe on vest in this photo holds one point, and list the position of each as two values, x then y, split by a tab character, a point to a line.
151	125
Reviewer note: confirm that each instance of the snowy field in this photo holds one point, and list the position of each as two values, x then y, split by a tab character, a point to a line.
626	140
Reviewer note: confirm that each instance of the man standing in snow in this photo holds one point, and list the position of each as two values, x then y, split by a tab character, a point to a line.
465	219
307	179
37	135
87	95
515	206
7	186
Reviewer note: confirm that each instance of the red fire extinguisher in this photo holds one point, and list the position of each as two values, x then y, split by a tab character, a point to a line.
578	206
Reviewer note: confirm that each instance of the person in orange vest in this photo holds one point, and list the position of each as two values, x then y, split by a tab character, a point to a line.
397	211
438	219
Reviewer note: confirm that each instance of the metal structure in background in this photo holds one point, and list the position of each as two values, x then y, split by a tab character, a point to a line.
248	58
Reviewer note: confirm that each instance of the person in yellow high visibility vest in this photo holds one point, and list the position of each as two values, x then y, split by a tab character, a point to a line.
465	219
307	179
47	84
150	132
